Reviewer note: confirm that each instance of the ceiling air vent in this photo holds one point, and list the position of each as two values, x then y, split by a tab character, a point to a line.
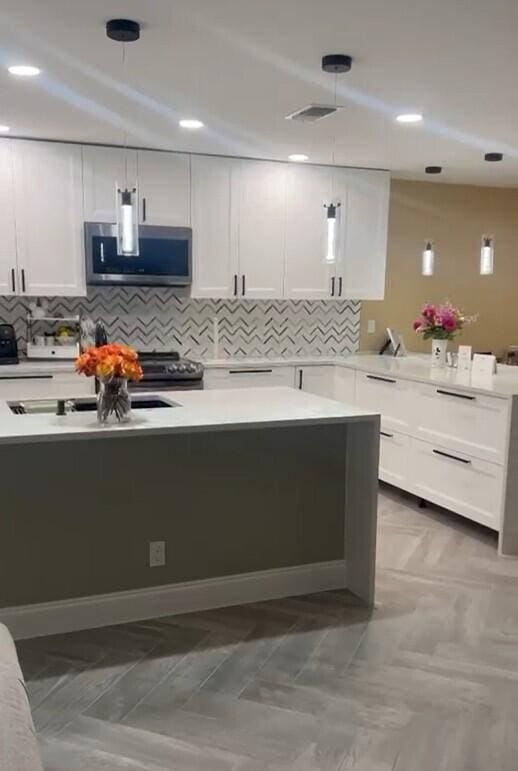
313	112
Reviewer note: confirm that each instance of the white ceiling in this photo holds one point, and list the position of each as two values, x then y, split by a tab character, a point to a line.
242	65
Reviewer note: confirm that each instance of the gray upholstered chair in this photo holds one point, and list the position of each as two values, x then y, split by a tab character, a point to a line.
18	744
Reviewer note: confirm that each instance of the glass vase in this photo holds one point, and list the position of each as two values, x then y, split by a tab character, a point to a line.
113	400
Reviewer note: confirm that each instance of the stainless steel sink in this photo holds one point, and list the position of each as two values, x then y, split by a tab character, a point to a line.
86	404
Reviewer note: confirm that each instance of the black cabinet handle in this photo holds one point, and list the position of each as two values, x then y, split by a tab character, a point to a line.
301	377
452	457
26	377
333	286
457	396
23	279
144	210
235	284
383	379
13	279
250	371
384	433
340	281
243	284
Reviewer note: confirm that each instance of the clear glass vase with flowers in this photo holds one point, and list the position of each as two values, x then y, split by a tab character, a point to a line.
113	365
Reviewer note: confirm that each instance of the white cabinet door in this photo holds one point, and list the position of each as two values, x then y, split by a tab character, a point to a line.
8	265
45	386
344	387
103	169
214	227
468	422
249	377
261	193
391	397
364	258
164	188
308	276
394	459
316	380
49	218
459	482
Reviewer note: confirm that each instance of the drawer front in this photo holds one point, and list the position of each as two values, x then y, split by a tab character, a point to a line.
472	423
464	484
249	377
389	396
394	449
45	386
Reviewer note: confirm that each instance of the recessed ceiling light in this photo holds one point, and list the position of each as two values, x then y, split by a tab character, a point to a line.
24	70
4	129
191	123
298	157
409	117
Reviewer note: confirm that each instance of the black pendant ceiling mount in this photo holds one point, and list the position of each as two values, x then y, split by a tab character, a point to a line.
433	169
493	157
123	30
336	63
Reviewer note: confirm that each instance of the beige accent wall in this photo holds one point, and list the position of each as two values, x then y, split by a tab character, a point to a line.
454	217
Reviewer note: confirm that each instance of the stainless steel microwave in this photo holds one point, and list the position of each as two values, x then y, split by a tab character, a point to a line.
164	259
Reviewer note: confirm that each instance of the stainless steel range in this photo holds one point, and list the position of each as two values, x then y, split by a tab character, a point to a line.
168	372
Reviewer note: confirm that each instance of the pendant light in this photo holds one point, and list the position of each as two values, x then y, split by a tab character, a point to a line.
428	259
334	64
126	193
486	256
332	229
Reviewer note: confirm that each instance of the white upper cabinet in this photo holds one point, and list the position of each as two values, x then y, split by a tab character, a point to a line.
164	188
363	268
49	218
260	189
307	275
103	169
8	264
214	225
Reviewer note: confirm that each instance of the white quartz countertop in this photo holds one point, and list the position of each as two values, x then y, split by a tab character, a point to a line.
196	411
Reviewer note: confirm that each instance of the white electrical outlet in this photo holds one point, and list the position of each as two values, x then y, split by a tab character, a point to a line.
371	327
156	554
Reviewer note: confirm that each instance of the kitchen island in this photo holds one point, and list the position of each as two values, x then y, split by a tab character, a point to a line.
257	493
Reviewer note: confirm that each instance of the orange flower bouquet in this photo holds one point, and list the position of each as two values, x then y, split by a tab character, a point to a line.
113	365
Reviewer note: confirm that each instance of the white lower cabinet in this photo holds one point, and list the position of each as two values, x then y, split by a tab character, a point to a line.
457	481
249	377
48	385
465	422
316	380
344	385
388	395
394	449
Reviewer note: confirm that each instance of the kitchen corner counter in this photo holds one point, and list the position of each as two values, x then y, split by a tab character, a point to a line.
196	411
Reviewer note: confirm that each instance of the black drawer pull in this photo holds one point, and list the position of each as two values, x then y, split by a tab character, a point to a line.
451	457
243	284
23	280
457	396
250	371
383	379
333	287
301	378
144	210
235	284
340	281
384	433
13	280
26	377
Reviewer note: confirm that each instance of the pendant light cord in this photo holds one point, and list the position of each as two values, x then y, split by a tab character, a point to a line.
333	157
125	131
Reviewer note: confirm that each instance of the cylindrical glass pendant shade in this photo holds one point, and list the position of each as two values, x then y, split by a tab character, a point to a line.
127	221
486	256
332	230
427	265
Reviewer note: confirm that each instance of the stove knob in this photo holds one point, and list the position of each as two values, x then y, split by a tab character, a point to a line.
192	367
181	368
173	368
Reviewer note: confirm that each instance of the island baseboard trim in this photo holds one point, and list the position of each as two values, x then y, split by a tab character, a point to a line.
152	602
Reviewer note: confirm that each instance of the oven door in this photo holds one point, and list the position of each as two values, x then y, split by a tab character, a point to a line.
161	384
164	259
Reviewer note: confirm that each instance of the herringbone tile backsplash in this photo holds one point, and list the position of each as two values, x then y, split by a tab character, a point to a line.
159	319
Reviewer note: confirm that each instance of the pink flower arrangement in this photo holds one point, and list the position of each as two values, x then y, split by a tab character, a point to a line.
440	322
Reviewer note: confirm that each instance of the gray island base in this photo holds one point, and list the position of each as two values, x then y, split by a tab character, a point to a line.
247	513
